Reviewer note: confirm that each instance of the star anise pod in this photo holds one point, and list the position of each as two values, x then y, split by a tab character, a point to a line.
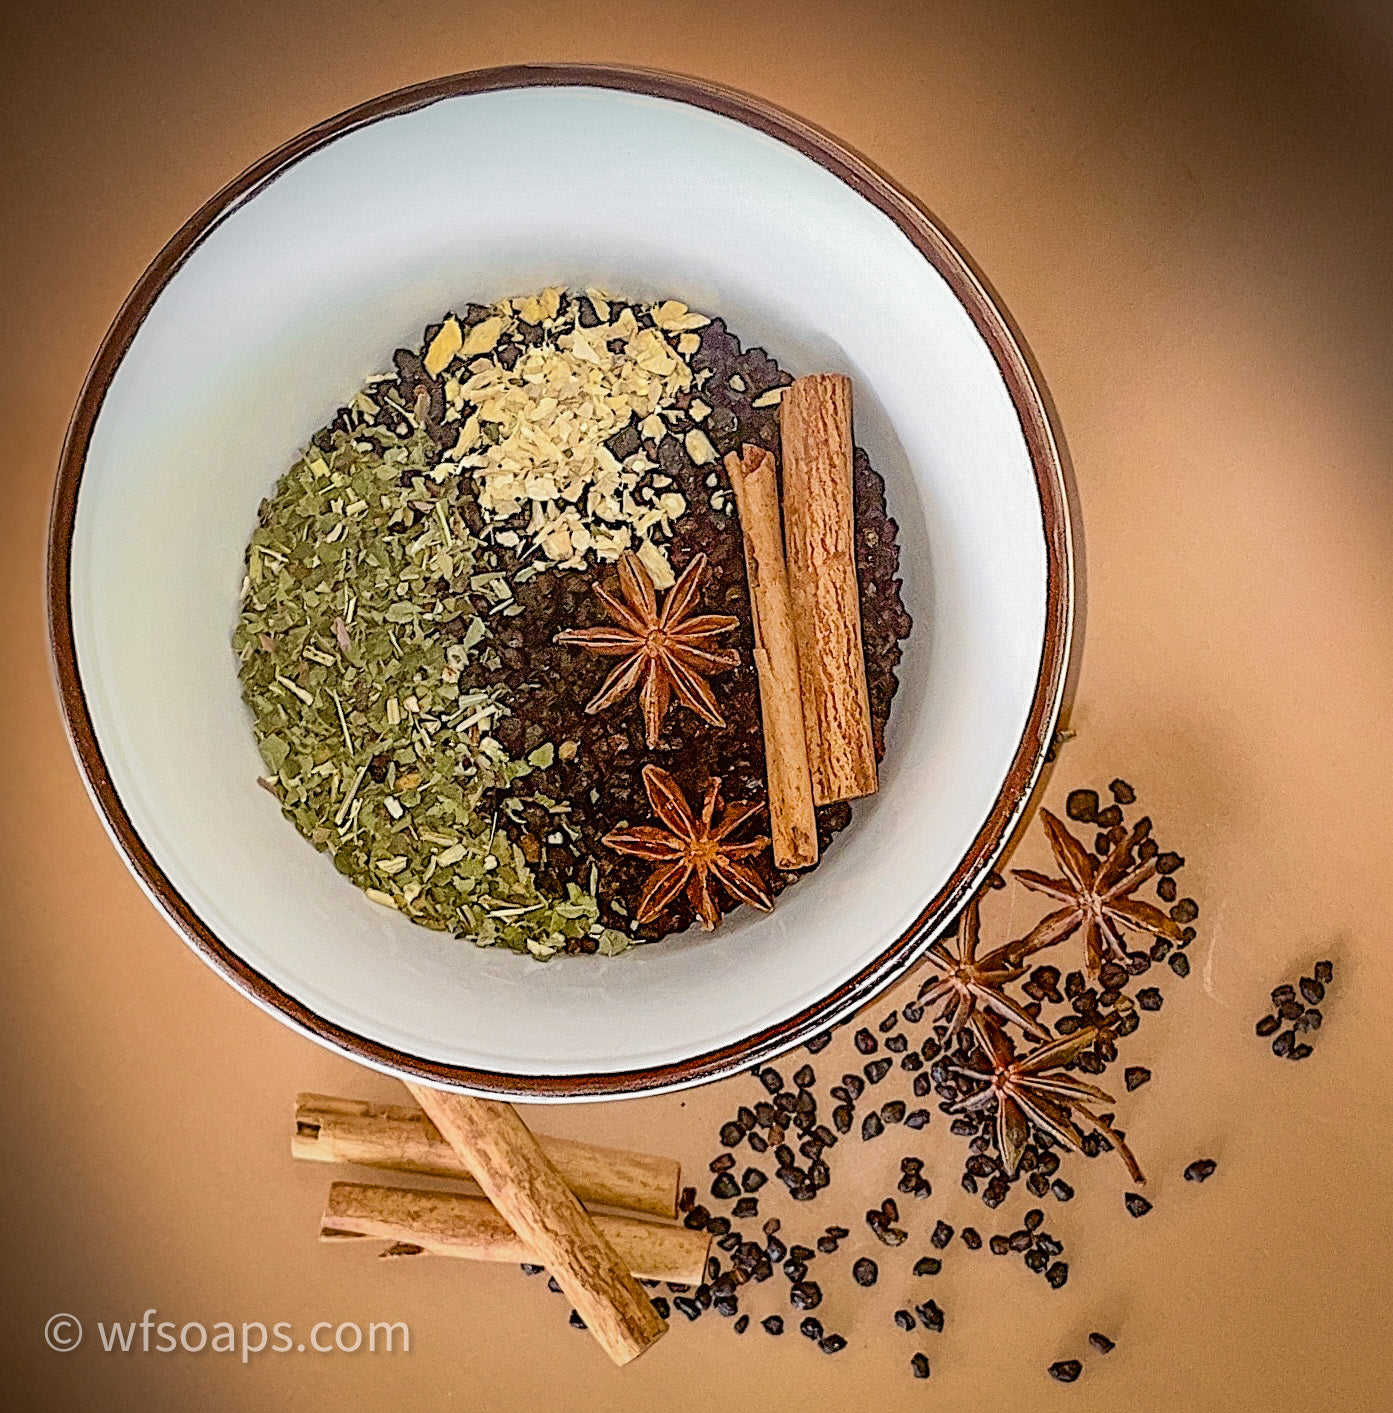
693	853
1026	1090
967	982
1097	896
668	652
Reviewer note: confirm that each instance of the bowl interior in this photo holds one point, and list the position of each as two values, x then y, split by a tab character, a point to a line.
304	289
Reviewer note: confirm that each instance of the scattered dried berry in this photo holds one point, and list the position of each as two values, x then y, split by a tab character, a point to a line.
1066	1370
865	1271
1082	806
930	1316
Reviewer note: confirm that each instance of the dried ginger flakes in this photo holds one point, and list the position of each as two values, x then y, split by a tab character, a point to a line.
535	437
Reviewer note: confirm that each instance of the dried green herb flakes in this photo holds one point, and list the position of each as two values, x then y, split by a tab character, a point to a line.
367	602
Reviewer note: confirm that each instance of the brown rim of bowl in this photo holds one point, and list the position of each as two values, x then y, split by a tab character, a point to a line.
1043	443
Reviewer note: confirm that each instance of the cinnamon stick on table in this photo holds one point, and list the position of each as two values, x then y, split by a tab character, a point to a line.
819	538
398	1136
792	823
522	1183
451	1224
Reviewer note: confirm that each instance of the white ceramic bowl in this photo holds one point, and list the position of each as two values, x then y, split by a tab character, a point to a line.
269	309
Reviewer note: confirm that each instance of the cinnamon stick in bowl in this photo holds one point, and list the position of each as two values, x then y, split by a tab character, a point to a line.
792	823
819	538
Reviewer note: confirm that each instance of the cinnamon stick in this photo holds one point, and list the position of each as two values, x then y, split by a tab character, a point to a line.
792	823
522	1183
819	535
452	1224
400	1137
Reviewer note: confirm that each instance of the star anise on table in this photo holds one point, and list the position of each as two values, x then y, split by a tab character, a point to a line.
1097	896
1027	1091
668	652
693	853
966	982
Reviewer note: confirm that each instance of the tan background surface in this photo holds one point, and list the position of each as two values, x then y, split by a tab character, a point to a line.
1190	219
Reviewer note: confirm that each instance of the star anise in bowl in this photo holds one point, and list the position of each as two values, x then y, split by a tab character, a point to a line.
667	652
691	852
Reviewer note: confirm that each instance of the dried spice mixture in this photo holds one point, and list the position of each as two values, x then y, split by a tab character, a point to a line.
496	616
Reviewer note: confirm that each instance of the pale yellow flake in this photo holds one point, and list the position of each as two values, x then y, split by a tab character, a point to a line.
699	447
674	316
556	543
655	561
443	347
483	336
